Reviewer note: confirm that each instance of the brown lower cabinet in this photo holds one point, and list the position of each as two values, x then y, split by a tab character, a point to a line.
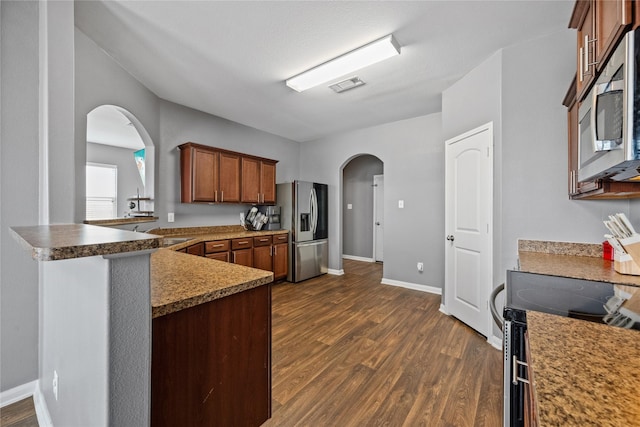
265	252
211	364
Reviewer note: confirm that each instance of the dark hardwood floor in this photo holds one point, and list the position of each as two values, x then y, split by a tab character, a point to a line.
349	351
19	414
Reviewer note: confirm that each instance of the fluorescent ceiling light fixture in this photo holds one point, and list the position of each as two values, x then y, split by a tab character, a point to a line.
361	57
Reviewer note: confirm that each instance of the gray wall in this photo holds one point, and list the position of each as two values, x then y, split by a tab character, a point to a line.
179	124
522	94
413	155
99	80
128	176
474	100
357	226
535	204
19	175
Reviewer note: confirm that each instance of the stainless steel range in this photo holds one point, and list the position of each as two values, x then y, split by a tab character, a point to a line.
592	301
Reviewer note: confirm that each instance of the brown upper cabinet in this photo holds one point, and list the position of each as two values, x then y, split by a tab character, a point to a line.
213	175
258	180
600	24
229	177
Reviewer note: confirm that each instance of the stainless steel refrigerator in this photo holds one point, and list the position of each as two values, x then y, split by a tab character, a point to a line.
304	212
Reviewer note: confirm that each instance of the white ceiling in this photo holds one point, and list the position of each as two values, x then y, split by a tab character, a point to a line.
106	125
230	58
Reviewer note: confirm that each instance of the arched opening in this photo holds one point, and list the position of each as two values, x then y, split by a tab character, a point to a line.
362	208
120	158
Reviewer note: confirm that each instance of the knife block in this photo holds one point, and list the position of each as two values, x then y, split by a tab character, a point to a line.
628	263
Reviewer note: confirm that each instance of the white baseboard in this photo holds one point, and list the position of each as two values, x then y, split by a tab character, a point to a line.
30	389
414	286
444	310
495	342
18	393
335	272
358	258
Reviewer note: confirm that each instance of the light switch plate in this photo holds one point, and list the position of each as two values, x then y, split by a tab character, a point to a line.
171	217
401	204
349	206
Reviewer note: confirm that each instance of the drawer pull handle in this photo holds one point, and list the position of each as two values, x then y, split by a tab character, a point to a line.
221	245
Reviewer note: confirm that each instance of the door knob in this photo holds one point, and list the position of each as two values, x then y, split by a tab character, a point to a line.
450	238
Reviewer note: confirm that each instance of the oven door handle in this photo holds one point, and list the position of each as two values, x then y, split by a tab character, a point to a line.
492	305
514	369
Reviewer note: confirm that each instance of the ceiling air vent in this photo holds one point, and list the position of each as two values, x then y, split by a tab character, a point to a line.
350	83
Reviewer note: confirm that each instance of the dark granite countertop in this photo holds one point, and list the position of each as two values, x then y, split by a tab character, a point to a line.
575	260
584	374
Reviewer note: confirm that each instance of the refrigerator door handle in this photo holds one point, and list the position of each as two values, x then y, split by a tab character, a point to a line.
314	211
315	243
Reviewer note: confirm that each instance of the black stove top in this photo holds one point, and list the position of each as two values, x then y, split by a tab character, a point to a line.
562	296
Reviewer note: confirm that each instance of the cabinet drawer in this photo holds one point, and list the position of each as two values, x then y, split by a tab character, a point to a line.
262	241
241	243
280	238
216	246
220	256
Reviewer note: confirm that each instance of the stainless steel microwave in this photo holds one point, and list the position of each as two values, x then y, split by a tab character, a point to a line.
609	119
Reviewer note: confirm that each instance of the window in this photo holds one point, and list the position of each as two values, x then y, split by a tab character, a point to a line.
102	184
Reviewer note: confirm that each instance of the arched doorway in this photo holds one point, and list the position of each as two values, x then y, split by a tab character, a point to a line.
120	159
361	199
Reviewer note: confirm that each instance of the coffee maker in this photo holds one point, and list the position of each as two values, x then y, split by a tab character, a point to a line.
273	213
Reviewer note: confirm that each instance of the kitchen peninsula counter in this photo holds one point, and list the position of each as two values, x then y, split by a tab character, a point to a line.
94	295
68	241
584	374
180	281
211	326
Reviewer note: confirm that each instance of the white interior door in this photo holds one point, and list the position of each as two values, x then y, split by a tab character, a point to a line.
468	224
378	216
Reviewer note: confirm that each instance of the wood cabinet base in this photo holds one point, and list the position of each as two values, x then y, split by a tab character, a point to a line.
211	364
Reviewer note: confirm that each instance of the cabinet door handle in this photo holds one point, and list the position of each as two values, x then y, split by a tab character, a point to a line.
271	251
215	196
222	196
275	250
586	54
581	63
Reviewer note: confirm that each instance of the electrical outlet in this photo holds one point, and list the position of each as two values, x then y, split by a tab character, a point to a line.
171	217
420	266
55	384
